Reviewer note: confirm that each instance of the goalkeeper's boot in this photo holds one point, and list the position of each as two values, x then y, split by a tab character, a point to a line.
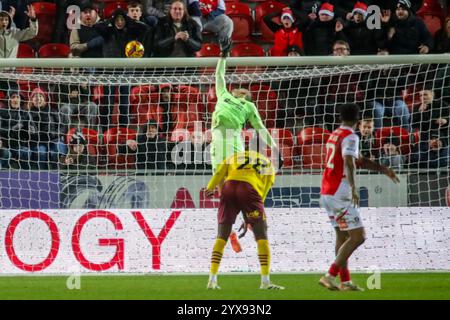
270	286
225	46
329	282
212	285
349	286
235	242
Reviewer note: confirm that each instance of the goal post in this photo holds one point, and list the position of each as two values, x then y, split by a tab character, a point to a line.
107	160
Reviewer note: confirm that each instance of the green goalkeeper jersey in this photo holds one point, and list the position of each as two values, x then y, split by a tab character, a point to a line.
231	112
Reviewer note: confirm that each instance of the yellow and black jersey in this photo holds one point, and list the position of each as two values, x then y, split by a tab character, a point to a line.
248	166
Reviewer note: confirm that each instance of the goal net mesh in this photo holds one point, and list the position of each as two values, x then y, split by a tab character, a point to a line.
139	137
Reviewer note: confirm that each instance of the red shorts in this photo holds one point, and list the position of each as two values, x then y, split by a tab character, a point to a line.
237	196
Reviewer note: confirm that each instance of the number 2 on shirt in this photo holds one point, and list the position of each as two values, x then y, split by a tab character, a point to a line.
330	156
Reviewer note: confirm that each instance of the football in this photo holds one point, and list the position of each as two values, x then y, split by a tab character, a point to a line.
134	49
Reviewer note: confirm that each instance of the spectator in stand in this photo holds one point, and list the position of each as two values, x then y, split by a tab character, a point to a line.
391	155
151	149
384	88
16	130
10	37
117	32
287	36
431	116
77	157
442	38
210	16
345	8
193	153
77	110
407	34
391	5
339	89
302	9
156	8
320	31
366	131
177	35
432	153
46	145
86	42
135	12
362	40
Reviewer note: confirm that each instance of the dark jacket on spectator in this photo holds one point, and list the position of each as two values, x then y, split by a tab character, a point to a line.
319	37
425	121
409	35
115	40
16	128
152	153
386	85
368	148
425	158
46	122
442	40
165	42
361	39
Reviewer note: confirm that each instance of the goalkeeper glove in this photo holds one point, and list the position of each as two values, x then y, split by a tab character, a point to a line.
225	46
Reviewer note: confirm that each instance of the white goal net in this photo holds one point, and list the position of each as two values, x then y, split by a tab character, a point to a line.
94	137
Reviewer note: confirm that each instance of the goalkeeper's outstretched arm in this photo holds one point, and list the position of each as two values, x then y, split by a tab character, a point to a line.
256	122
221	88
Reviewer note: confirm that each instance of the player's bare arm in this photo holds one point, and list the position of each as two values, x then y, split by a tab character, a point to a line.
368	164
350	168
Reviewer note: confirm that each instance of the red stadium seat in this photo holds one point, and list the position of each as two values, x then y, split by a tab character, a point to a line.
94	145
209	50
54	50
260	12
266	101
247	50
141	100
432	22
45	12
112	139
241	15
25	51
113	6
383	134
311	146
431	7
285	141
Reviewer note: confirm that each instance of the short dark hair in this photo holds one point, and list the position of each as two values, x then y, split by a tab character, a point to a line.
134	4
349	112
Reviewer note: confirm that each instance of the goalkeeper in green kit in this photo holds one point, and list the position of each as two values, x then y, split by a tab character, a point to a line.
233	109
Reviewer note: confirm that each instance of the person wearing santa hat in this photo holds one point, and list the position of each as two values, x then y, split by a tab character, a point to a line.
362	40
407	34
287	36
320	31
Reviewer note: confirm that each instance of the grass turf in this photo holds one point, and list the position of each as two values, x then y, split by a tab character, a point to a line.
240	287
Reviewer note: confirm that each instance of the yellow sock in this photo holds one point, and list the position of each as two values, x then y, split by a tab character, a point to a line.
217	253
264	256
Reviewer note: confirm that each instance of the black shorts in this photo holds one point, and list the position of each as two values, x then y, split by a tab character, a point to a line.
237	196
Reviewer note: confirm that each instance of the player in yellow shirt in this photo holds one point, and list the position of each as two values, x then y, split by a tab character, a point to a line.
248	178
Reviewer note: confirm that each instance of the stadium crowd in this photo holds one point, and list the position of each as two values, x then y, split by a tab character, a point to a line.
405	119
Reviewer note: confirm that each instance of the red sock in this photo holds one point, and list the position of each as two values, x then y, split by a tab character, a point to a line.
344	273
334	270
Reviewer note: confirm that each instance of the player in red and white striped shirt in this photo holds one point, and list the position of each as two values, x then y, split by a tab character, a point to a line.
340	197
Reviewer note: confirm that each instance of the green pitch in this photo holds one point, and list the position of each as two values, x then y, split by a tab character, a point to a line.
298	286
